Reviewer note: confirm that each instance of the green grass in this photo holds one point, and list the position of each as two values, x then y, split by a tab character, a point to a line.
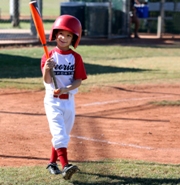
20	67
166	103
114	172
118	64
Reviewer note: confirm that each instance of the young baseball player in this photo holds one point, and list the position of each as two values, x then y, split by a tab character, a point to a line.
69	72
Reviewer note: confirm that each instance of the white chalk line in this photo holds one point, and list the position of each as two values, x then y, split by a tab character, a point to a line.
123	144
113	143
120	100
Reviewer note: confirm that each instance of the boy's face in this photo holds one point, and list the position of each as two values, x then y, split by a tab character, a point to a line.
64	39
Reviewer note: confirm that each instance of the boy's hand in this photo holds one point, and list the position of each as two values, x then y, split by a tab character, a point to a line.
50	63
58	92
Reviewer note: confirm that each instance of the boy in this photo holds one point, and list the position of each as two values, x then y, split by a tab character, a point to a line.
59	105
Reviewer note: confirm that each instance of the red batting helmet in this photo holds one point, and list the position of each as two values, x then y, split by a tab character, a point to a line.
68	23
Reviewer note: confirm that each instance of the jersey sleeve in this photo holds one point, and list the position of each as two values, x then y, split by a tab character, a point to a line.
43	60
80	72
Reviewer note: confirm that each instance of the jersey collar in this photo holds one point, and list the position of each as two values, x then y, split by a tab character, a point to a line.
63	52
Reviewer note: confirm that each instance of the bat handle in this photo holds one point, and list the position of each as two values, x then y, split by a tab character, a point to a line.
53	78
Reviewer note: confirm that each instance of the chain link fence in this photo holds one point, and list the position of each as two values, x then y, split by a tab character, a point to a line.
169	13
100	18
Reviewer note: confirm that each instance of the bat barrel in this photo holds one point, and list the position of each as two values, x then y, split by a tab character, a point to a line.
36	15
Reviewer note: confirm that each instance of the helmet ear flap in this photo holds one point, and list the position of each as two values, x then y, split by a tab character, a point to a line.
55	31
74	40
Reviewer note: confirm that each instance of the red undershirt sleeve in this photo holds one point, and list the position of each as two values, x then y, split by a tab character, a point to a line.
80	72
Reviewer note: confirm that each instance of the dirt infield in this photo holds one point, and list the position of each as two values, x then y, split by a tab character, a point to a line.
111	122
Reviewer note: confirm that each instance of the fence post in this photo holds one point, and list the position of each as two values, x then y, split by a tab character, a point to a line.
109	19
40	5
128	21
15	16
32	26
162	17
159	23
11	7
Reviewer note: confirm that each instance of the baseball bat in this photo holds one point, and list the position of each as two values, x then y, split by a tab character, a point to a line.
36	15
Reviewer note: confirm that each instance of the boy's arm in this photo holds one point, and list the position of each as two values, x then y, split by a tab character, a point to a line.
46	70
73	86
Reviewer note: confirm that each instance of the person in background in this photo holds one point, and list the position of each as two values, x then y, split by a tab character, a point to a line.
133	17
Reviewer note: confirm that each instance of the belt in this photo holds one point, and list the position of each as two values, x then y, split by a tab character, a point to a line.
62	96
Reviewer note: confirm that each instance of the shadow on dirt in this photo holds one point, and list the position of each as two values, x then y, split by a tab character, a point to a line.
144	91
